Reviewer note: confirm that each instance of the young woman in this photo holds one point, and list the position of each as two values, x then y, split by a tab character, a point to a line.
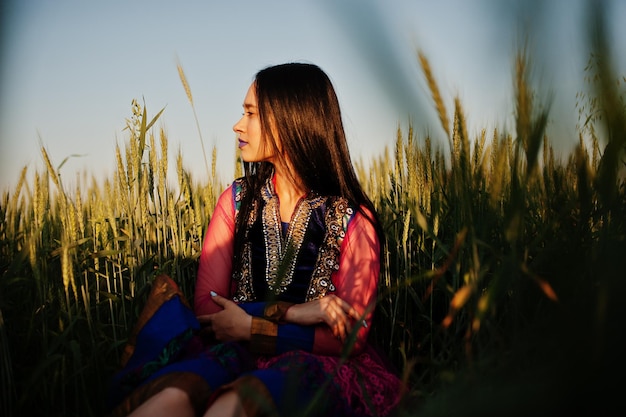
287	280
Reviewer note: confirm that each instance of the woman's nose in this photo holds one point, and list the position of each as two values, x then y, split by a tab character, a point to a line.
237	127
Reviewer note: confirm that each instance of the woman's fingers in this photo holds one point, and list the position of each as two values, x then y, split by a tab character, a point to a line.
331	310
338	315
351	311
345	307
219	300
338	320
230	323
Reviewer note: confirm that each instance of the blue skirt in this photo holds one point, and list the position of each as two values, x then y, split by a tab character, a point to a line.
167	348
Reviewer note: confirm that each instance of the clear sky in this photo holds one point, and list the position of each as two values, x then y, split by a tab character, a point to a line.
70	69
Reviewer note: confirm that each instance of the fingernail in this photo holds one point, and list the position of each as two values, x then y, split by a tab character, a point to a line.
213	293
364	323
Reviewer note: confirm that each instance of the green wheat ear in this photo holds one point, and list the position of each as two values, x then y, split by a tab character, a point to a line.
183	80
434	91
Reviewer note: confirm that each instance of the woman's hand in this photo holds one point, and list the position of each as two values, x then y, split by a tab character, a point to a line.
230	324
332	310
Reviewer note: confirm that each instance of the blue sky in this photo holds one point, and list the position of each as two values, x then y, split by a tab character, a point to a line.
70	69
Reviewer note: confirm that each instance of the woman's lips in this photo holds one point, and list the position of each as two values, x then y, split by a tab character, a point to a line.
242	143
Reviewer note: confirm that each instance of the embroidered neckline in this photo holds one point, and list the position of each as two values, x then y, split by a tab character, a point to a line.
282	253
281	250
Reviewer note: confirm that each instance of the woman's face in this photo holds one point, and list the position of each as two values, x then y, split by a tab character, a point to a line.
251	142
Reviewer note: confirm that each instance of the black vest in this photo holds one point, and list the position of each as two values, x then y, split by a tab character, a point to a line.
290	262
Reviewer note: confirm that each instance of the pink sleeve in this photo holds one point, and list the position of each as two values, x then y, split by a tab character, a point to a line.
215	270
356	282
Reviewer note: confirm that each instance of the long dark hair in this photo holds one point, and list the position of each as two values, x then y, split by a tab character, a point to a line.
297	103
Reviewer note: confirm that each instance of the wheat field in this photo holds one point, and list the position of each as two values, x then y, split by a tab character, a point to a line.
502	286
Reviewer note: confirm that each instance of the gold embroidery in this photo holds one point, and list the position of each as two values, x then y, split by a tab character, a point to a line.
328	257
243	277
281	253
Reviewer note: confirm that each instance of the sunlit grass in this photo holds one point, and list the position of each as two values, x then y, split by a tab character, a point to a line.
76	263
504	265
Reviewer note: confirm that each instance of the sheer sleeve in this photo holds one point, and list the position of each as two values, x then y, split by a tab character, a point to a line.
215	269
356	282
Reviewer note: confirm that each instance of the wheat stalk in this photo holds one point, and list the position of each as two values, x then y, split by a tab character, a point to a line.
183	79
434	91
